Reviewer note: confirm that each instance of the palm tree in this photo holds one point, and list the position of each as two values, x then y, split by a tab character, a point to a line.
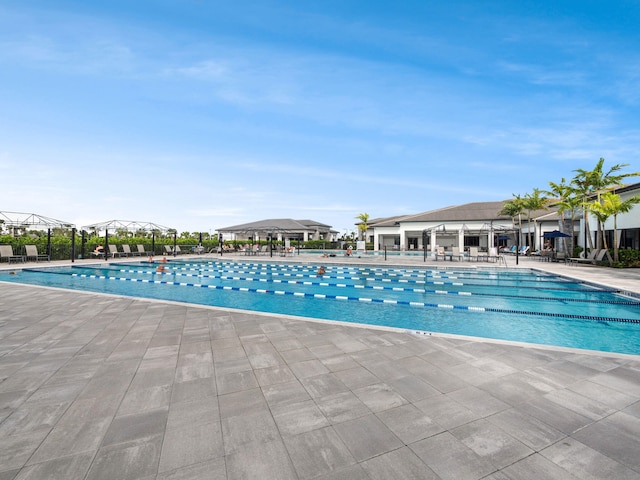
611	204
532	202
595	182
363	226
514	208
567	201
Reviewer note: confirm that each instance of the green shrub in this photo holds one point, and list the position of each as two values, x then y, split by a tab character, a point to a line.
629	258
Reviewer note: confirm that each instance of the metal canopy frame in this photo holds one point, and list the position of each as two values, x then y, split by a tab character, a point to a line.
269	231
35	221
18	219
130	226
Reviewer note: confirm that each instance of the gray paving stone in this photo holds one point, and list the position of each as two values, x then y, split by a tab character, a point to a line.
616	437
194	390
186	446
492	443
242	403
536	467
145	399
379	438
318	452
551	413
401	464
295	418
209	470
236	382
323	385
446	412
195	412
478	401
127	461
128	428
65	468
379	397
357	377
604	395
285	393
585	463
342	407
409	423
532	432
254	427
259	461
450	459
274	375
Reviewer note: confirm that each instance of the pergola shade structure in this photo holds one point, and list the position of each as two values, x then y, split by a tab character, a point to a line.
127	226
33	221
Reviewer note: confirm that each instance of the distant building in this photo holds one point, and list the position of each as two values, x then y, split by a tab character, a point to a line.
281	229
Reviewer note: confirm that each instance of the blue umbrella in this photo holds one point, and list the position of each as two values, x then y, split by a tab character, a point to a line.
555	234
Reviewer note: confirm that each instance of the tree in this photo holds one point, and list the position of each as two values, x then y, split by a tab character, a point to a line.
363	226
532	202
592	183
611	205
567	201
514	208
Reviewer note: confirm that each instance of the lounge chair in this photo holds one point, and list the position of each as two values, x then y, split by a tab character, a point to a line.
6	251
588	259
473	253
493	255
599	257
113	251
441	252
168	249
142	251
126	251
523	250
32	253
511	250
455	253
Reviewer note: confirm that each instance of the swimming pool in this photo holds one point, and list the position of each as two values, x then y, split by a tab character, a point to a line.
517	305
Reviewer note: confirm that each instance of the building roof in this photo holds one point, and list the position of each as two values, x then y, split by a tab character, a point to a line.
277	224
462	213
468	212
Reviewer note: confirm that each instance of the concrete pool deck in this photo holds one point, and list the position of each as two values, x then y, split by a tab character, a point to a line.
105	387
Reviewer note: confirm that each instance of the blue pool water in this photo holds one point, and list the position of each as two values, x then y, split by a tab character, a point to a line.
516	305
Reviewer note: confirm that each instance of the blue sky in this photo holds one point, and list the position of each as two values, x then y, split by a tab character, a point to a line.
205	114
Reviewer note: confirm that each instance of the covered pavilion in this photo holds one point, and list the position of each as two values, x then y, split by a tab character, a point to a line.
128	226
33	221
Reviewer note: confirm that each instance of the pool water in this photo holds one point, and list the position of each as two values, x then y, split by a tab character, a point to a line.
516	305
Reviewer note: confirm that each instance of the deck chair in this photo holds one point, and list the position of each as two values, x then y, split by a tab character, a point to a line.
455	253
113	251
591	258
493	254
473	253
168	249
142	251
32	253
126	251
6	251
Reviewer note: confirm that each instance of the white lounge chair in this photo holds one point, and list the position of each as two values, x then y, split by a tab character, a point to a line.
588	259
6	251
455	253
113	251
142	251
32	253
